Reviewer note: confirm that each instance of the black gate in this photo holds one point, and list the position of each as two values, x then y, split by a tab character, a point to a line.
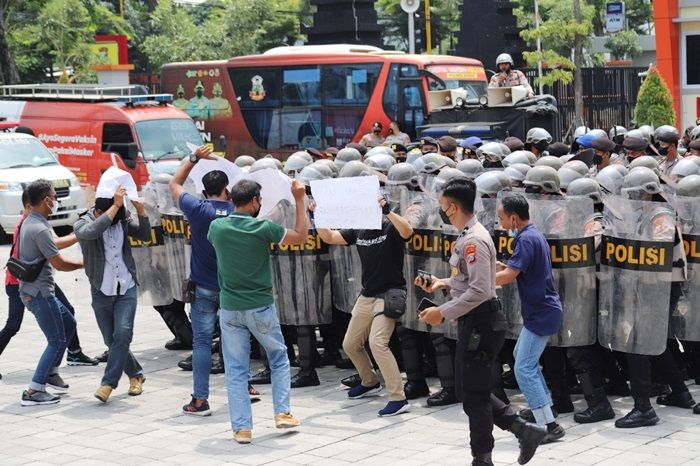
609	96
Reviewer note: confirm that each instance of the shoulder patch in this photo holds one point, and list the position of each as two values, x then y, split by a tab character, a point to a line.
470	253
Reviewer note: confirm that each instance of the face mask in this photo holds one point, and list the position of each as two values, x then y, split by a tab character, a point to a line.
630	159
663	151
445	218
512	232
597	159
54	207
257	212
541	146
532	190
200	93
491	164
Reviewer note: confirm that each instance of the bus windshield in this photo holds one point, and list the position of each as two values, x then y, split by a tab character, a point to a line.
164	139
24	152
470	78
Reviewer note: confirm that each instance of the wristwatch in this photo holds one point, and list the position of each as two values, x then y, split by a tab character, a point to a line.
193	158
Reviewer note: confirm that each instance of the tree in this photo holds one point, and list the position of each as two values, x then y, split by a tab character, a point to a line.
623	44
654	102
9	74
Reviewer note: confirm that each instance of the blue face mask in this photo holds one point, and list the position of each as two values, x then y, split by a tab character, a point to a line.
512	232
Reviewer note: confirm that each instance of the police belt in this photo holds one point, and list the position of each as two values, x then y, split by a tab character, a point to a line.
491	306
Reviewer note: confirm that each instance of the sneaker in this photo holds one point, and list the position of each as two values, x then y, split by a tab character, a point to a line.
393	408
186	364
286	421
39	398
202	410
103	393
361	391
102	357
80	359
136	385
253	393
56	382
243	436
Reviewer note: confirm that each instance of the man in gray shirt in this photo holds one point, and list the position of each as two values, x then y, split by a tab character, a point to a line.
36	246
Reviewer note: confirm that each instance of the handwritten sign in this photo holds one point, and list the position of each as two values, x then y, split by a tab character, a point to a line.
347	203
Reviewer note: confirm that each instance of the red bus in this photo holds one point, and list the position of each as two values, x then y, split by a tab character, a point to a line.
291	98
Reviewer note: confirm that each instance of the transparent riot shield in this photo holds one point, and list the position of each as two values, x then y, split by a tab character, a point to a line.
301	276
151	258
176	236
346	277
635	275
685	321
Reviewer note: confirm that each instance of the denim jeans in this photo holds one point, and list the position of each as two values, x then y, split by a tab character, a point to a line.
236	328
528	350
204	309
58	326
15	314
115	318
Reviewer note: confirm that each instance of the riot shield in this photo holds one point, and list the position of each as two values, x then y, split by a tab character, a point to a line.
562	221
176	236
685	321
635	275
448	238
301	276
151	258
346	277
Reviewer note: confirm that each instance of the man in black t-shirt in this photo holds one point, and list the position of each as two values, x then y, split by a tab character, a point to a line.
381	254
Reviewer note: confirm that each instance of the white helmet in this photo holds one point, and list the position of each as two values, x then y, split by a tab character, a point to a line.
695	133
536	135
616	131
580	131
505	58
647	131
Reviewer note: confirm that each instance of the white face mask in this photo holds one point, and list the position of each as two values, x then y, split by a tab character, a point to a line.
54	207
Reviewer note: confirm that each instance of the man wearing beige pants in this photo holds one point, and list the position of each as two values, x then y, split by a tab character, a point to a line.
381	255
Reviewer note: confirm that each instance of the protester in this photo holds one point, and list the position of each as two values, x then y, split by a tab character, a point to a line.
242	244
37	249
102	232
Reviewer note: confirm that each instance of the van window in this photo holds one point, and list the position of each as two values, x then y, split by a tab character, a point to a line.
24	152
116	137
167	138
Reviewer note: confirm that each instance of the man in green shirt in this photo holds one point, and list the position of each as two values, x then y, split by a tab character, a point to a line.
242	245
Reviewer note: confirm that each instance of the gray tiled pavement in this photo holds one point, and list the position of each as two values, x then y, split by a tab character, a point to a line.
150	429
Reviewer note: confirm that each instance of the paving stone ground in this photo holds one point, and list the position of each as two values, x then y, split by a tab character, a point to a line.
150	429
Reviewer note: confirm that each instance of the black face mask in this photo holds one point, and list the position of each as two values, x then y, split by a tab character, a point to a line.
597	159
663	151
532	190
490	164
599	207
541	146
630	159
445	218
121	215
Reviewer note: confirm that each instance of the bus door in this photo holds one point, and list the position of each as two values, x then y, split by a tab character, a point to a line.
403	98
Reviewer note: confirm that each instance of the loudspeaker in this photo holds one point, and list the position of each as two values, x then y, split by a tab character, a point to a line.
410	6
506	96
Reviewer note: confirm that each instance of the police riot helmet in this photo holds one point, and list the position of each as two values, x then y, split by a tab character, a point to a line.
634	133
493	150
544	177
324	168
695	133
354	168
490	183
580	131
642	179
689	186
304	154
313	172
381	162
331	165
471	168
645	161
445	175
243	161
262	164
647	131
616	131
621	168
520	156
586	187
449	162
295	163
566	176
536	135
345	155
549	161
666	133
379	150
430	163
598	133
402	174
517	172
578	166
504	58
686	167
610	179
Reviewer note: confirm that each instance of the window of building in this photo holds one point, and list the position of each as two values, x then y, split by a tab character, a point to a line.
692	63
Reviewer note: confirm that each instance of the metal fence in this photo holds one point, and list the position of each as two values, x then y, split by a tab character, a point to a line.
609	96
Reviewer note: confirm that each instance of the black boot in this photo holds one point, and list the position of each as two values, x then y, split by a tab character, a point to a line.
262	377
483	459
444	397
186	364
415	389
554	433
638	417
509	381
305	379
176	344
679	400
529	438
599	408
660	389
696	409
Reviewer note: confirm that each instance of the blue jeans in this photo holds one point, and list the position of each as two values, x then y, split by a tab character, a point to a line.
115	318
203	315
58	325
528	350
236	327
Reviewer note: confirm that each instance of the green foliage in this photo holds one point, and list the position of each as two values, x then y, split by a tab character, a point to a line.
623	44
654	102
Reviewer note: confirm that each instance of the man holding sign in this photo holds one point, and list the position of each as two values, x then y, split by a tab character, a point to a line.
382	301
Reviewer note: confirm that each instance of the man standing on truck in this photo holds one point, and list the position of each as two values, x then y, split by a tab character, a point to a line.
509	77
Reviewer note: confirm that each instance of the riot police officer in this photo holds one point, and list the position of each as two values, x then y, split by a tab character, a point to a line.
481	325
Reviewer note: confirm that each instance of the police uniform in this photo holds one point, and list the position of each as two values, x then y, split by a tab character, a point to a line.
482	328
